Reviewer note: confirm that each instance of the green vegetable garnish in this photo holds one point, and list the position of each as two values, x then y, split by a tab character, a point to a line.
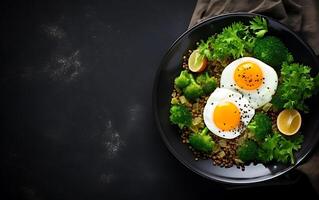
180	116
235	41
208	83
202	141
271	50
297	85
248	151
193	90
277	147
182	80
259	26
206	47
260	126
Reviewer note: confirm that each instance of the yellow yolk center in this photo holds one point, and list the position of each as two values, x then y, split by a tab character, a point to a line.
248	75
226	116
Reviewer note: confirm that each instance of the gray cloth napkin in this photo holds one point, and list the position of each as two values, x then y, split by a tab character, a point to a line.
300	15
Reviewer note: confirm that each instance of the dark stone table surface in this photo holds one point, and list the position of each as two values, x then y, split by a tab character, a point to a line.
76	108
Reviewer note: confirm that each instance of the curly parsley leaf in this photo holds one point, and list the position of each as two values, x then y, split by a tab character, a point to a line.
206	48
296	86
266	150
277	147
235	41
284	151
259	26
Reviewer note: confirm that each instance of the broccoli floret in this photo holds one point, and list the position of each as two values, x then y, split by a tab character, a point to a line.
182	80
261	126
193	90
248	151
180	116
271	50
202	141
208	83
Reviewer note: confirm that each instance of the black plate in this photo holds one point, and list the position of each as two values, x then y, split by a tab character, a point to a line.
170	68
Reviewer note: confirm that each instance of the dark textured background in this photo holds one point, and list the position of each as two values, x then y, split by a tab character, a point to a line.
76	111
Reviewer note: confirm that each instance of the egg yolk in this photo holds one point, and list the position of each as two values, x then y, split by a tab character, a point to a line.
226	116
248	75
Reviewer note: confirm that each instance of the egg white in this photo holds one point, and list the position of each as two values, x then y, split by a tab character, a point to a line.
225	95
257	97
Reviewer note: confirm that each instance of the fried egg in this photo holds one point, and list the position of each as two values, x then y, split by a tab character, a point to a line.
227	113
253	78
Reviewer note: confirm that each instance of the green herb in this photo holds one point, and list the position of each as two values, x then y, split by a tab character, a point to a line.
278	148
206	47
267	148
296	86
230	43
234	41
259	26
